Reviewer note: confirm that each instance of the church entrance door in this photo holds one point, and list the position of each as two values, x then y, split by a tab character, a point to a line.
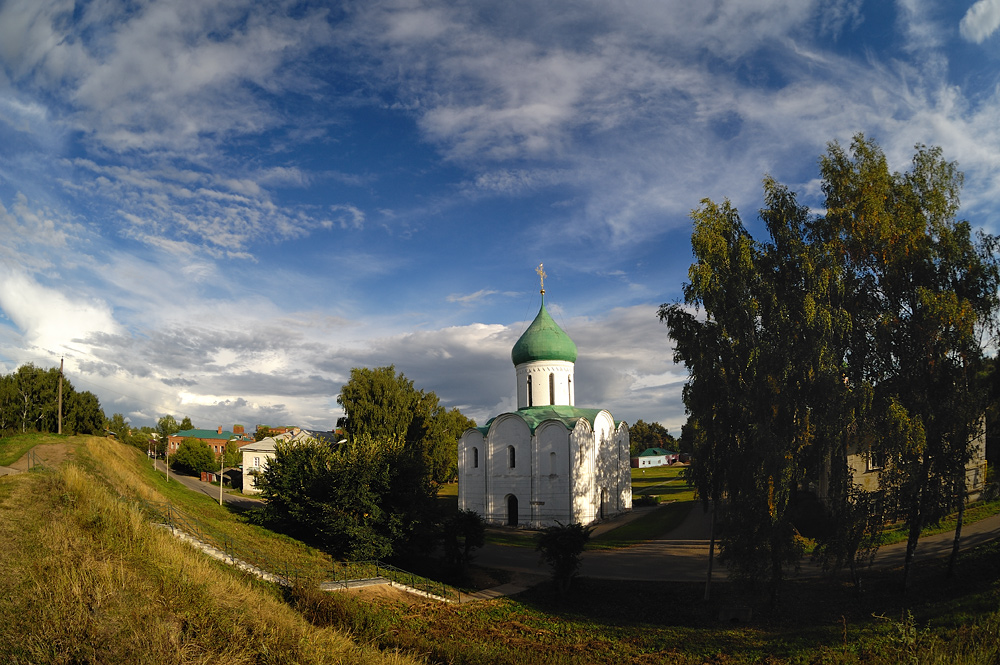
511	510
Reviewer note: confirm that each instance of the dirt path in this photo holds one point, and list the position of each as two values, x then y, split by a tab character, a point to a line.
49	454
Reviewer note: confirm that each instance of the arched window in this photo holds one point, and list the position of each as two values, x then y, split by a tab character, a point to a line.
511	459
529	390
475	458
552	464
569	388
552	388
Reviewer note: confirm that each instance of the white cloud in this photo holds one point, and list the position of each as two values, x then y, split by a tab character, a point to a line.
51	319
980	21
471	298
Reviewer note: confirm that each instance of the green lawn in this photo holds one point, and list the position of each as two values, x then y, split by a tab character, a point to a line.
666	482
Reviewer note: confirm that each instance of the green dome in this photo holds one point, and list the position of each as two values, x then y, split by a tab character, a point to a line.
543	340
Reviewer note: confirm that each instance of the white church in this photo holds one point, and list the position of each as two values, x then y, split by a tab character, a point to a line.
548	461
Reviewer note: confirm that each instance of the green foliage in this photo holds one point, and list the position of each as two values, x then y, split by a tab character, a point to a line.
366	499
561	547
851	333
463	532
123	431
643	435
167	426
381	404
29	402
194	456
378	403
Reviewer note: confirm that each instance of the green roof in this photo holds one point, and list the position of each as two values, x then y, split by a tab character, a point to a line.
654	452
543	340
534	416
204	434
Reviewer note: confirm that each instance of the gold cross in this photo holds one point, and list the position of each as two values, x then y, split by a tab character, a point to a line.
541	276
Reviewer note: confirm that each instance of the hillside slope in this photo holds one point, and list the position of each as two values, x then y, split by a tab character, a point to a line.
87	579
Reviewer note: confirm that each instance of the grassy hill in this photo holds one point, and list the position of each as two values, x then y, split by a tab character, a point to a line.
86	578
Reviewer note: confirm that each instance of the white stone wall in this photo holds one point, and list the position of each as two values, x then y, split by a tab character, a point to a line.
472	476
250	470
507	433
558	475
550	500
539	372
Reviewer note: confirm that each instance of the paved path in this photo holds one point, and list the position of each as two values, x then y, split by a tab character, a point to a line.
682	554
192	483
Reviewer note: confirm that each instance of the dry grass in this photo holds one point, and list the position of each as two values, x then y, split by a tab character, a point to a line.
86	579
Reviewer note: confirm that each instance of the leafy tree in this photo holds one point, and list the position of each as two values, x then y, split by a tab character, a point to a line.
435	431
185	424
233	456
193	456
364	499
29	401
167	426
463	532
381	404
262	432
930	288
855	331
378	403
643	435
119	426
561	547
83	414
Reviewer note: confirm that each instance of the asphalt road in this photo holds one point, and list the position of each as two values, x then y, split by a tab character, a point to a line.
195	484
682	555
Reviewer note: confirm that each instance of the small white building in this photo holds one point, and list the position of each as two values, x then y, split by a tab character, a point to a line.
548	461
256	456
655	457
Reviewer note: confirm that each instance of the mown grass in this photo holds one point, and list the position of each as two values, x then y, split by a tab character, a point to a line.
87	579
655	523
665	482
899	533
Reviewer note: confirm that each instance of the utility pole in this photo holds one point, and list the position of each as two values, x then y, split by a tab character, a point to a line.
60	394
222	468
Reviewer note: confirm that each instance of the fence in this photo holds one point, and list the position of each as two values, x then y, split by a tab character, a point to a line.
346	574
168	514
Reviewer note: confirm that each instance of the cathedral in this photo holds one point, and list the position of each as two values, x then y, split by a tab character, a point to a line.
549	461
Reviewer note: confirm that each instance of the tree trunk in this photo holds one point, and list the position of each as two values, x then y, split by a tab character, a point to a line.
958	528
711	554
916	523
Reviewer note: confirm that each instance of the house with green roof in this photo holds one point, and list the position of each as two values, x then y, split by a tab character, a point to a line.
216	439
549	461
654	457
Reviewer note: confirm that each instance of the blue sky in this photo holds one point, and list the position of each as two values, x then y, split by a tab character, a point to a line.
217	209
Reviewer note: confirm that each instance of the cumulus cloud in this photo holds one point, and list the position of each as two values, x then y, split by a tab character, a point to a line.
51	319
980	21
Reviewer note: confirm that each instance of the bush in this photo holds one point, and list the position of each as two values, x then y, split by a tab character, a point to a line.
561	547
